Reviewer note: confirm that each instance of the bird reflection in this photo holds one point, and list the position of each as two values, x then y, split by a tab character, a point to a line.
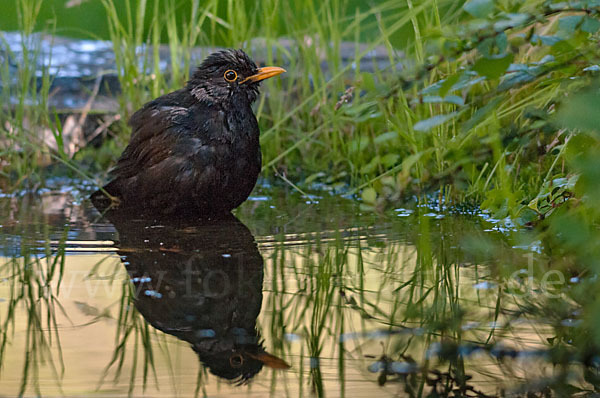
201	282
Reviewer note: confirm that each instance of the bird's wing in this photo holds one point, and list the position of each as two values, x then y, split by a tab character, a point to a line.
155	129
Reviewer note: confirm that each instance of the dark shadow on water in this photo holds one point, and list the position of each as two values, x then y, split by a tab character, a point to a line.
201	281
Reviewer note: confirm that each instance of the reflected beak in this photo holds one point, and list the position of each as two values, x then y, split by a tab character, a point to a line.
264	73
269	360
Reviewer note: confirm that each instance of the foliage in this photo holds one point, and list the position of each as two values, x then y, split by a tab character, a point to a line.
479	113
466	110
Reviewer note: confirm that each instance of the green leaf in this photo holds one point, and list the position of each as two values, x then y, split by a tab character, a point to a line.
390	159
493	46
493	68
512	21
314	177
358	145
481	113
428	124
569	23
581	112
465	80
369	195
385	137
368	81
371	166
448	83
545	40
520	75
452	99
533	205
590	25
479	8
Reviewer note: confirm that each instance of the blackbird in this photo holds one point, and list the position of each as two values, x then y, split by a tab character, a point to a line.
195	149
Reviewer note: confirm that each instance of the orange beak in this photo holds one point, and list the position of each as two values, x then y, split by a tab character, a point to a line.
264	73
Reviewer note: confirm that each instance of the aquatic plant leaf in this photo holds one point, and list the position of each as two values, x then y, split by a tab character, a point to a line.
367	81
371	166
358	145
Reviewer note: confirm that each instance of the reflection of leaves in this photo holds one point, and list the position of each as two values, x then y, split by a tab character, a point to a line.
87	309
545	40
590	25
90	310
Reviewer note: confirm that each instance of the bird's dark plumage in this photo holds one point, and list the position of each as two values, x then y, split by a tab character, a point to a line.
196	148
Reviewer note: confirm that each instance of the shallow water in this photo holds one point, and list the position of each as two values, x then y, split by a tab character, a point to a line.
294	297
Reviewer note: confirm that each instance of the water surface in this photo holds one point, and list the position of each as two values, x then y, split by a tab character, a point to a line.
292	296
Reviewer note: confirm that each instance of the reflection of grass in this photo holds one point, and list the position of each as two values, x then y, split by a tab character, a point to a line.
346	296
354	297
34	277
131	329
135	347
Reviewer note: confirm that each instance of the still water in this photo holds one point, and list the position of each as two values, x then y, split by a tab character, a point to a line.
292	297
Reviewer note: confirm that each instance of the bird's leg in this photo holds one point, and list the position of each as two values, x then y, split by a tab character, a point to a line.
114	201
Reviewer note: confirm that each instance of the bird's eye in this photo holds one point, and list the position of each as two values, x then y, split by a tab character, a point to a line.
230	75
236	361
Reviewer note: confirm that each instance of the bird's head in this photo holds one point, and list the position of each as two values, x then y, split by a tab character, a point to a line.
229	73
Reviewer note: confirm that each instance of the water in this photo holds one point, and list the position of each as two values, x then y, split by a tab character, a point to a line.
294	297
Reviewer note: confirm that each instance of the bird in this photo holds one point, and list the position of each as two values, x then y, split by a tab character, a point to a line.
195	149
